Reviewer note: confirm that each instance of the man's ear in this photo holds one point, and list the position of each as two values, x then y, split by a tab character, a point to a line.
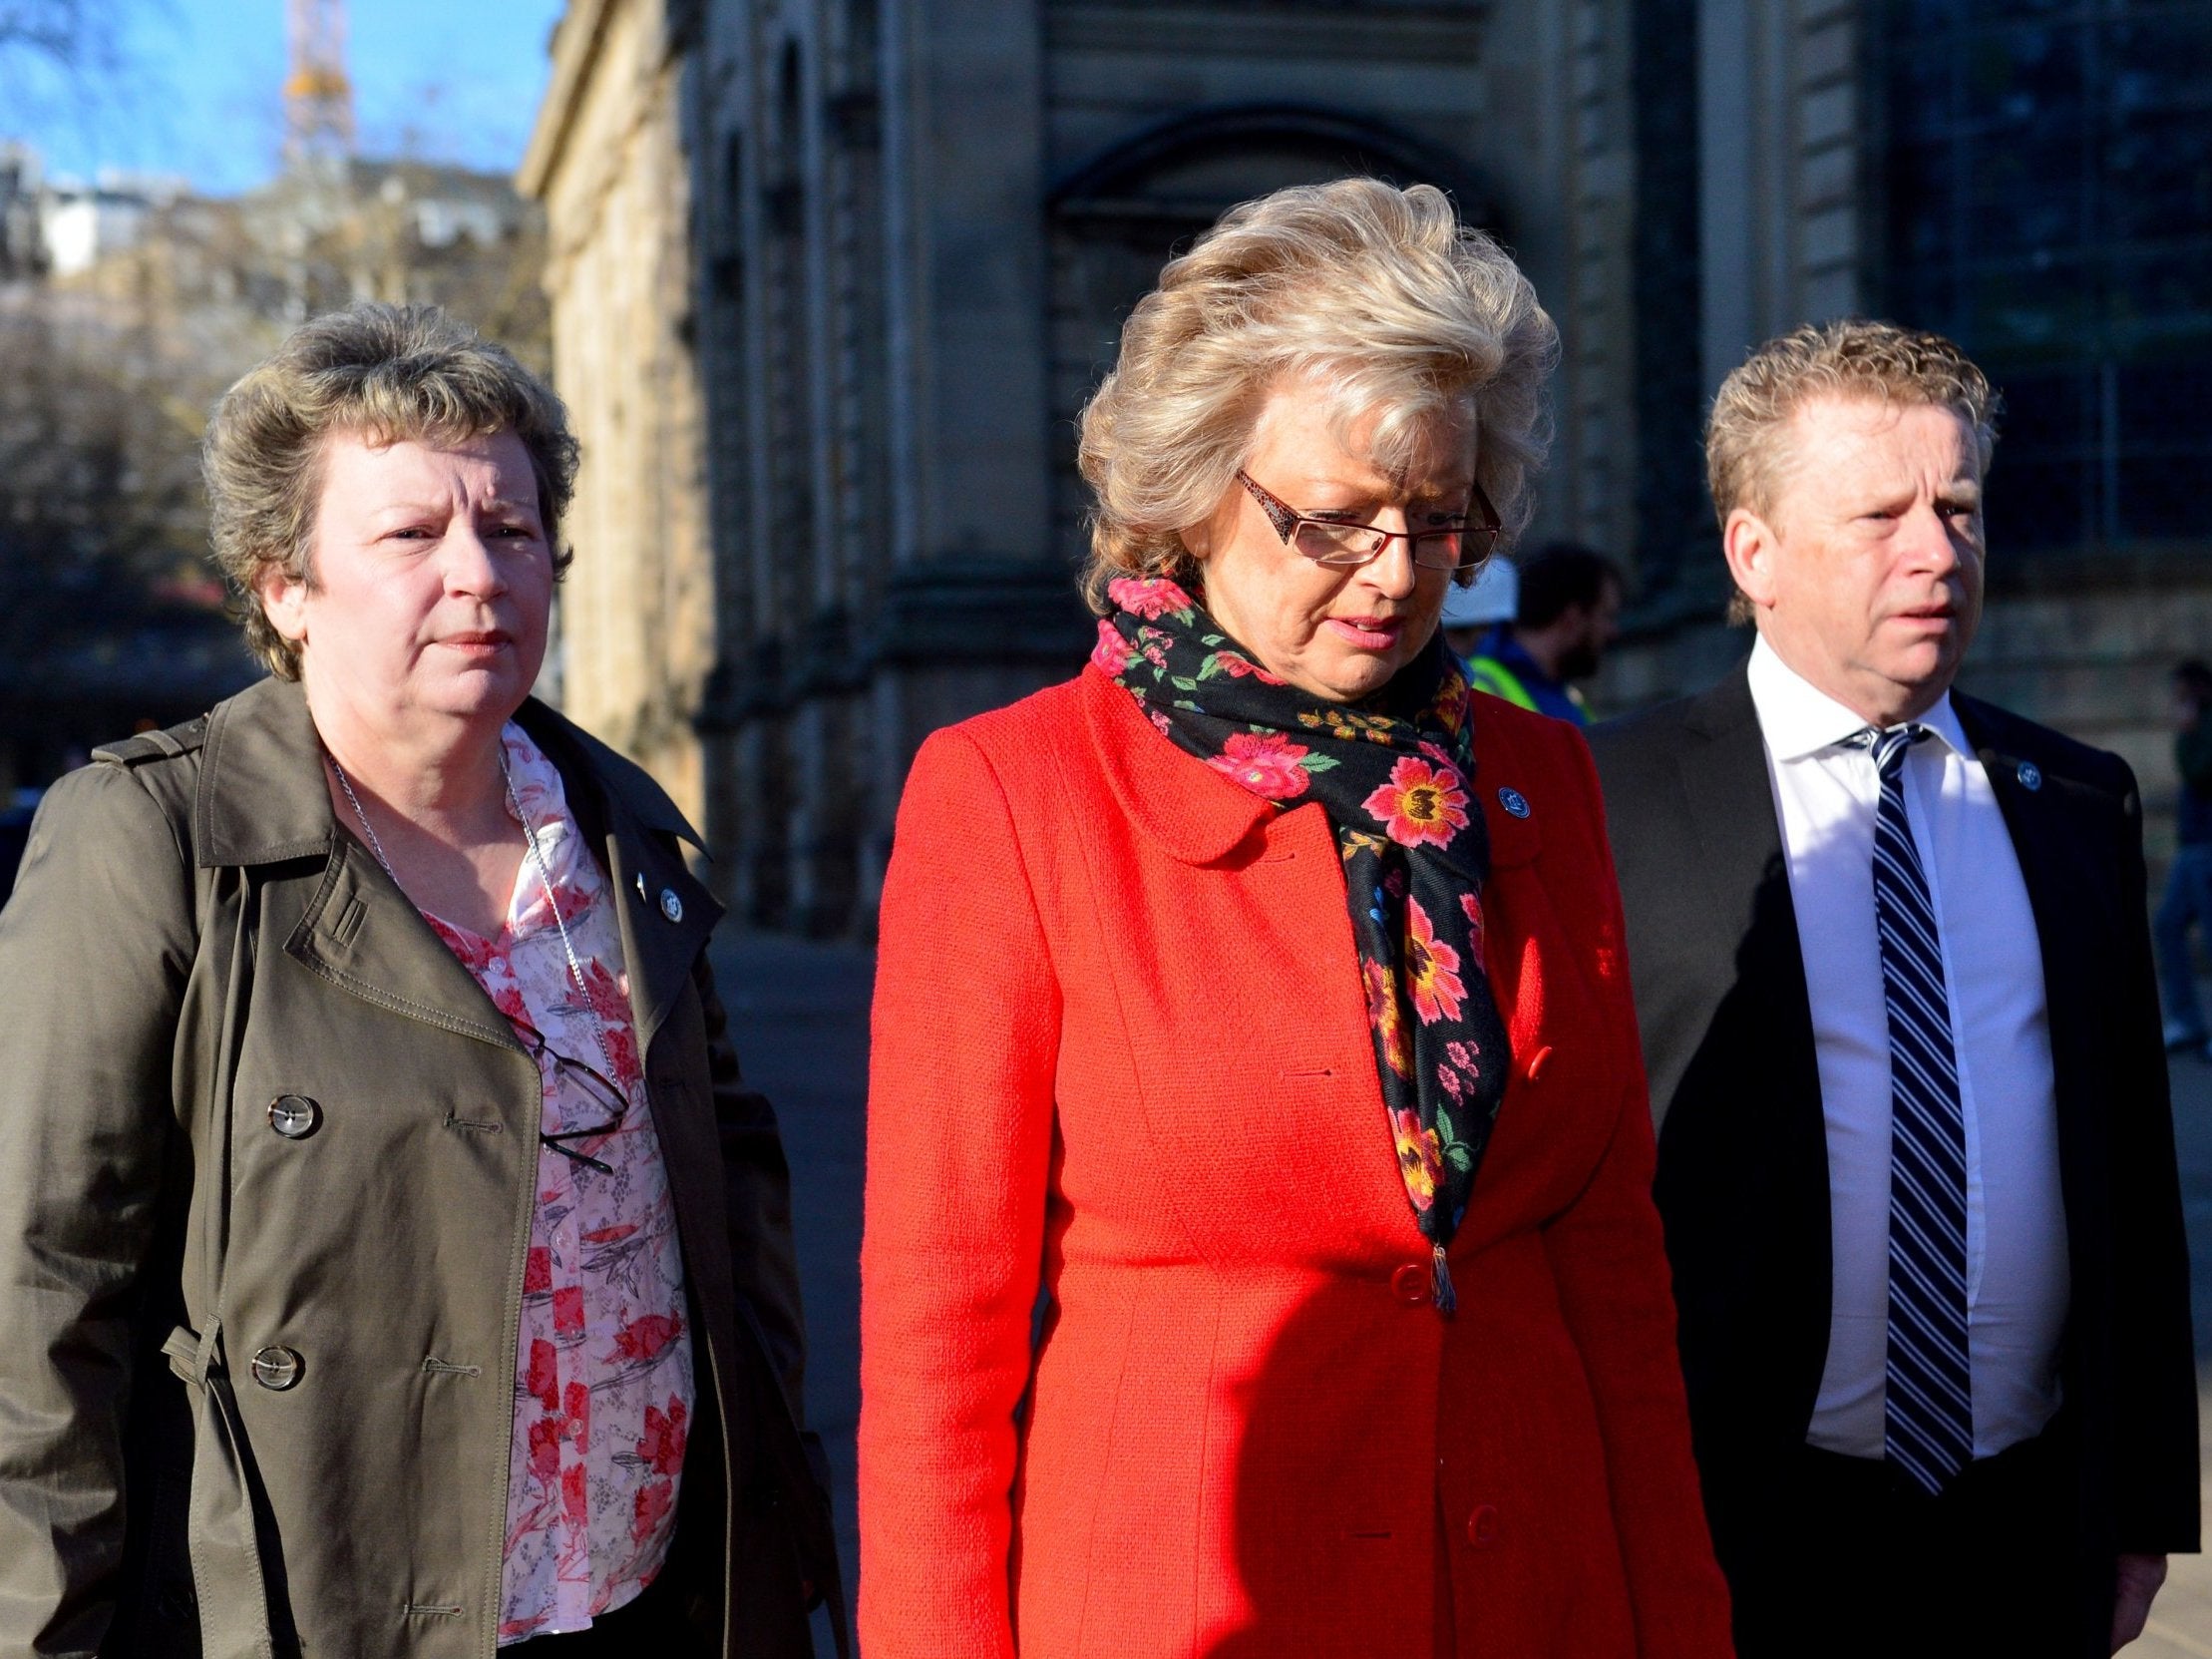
1752	550
283	599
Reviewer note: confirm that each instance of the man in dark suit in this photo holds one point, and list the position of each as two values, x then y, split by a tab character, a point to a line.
1894	978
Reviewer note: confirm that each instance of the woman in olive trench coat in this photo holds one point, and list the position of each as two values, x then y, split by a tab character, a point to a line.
268	1166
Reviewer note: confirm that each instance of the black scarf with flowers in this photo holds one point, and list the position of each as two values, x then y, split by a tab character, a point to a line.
1395	775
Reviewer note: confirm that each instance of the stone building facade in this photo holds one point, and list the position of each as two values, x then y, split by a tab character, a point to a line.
2039	186
640	613
831	279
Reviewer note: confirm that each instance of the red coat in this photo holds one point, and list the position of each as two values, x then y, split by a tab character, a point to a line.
1121	1050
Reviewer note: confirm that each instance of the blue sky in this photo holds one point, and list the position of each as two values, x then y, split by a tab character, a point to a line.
196	87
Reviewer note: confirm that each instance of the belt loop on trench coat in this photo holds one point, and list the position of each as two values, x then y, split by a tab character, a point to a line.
224	1540
226	1544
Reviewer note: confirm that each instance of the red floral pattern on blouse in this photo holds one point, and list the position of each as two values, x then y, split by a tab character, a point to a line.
603	1381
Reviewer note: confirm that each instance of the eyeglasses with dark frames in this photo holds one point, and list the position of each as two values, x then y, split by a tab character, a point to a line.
1332	542
588	1082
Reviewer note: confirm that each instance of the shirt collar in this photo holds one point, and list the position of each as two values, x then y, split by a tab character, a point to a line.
538	790
1798	719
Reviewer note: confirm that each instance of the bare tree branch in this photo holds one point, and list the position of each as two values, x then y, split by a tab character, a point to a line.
70	34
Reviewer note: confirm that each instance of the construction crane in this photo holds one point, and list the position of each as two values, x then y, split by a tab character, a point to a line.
318	98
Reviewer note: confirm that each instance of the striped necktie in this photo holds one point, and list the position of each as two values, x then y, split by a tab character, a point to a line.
1929	1417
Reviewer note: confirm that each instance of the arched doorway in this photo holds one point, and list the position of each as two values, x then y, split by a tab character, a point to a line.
1114	220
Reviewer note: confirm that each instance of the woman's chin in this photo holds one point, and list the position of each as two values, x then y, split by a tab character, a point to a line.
1352	676
491	694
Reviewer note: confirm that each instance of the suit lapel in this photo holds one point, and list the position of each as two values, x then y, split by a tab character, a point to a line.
262	800
666	916
665	912
1730	802
2035	818
362	933
2067	919
1772	1065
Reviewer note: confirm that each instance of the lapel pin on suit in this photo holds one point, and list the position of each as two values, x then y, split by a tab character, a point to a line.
1515	803
2030	777
671	906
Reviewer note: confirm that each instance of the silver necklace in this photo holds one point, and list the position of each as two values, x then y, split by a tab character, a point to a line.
545	882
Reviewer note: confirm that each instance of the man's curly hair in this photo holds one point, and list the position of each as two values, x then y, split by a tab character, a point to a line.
1746	437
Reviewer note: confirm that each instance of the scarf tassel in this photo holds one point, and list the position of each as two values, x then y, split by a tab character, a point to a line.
1440	1282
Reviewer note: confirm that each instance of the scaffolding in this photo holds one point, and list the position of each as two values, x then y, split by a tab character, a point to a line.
318	97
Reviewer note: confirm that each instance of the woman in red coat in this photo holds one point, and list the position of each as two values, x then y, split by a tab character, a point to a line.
1256	996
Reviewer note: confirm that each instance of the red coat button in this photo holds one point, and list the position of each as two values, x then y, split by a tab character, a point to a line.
1536	1062
1410	1284
1482	1527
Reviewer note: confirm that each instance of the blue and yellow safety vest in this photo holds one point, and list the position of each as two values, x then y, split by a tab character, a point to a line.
1488	673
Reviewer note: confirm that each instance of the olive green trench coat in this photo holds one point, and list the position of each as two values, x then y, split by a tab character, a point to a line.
193	938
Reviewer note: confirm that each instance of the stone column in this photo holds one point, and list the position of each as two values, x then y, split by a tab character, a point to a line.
977	610
608	160
1779	157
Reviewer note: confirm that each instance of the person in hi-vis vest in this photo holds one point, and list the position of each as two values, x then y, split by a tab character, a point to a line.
1547	628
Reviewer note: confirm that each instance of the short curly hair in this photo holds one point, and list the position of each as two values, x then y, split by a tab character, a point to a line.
1852	357
1379	294
388	372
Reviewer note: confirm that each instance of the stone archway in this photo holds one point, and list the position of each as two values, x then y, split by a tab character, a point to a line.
1114	219
1192	167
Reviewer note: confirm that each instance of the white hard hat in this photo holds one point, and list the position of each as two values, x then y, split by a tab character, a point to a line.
1495	596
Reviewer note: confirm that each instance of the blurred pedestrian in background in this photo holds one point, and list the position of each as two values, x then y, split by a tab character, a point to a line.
2188	899
1567	613
391	1258
1203	980
1473	609
1894	976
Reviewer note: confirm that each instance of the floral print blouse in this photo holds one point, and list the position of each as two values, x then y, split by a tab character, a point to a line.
603	1379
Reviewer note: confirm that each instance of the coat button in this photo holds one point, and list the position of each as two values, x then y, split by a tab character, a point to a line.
671	906
277	1369
1482	1527
294	1117
1536	1062
1410	1284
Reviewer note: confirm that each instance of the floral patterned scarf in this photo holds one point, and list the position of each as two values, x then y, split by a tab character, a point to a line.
1394	773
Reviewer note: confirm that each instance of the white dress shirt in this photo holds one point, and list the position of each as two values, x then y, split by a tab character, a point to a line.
1825	798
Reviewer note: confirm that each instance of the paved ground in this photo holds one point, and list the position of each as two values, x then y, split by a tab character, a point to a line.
2182	1622
800	1014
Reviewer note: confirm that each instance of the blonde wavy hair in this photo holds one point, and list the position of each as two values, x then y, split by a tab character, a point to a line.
389	373
1378	295
1747	432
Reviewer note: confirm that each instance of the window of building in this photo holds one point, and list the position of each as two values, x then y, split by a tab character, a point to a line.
2047	186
